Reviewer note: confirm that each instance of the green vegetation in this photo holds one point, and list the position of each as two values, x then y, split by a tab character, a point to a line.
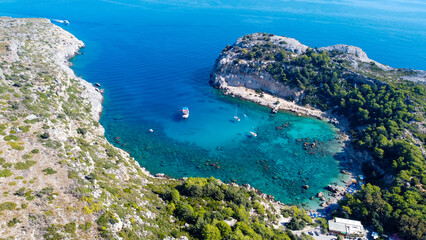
24	165
44	135
16	145
199	208
204	204
49	171
11	137
13	222
35	151
6	173
380	108
7	206
82	131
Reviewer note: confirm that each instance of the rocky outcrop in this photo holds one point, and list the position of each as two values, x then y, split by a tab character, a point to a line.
239	74
353	54
226	73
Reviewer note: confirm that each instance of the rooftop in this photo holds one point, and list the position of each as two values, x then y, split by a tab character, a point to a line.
345	226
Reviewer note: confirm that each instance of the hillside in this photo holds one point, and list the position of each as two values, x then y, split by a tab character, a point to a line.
381	108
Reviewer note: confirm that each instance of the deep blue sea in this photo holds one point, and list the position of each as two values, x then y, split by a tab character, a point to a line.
153	57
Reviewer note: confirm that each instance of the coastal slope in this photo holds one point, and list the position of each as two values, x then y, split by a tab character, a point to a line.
59	174
380	108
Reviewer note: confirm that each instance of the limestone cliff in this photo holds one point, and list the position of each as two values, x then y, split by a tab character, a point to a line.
283	74
246	63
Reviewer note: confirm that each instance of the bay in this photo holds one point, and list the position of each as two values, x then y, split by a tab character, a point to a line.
154	57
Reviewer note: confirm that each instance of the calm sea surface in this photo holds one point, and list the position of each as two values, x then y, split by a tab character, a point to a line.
153	57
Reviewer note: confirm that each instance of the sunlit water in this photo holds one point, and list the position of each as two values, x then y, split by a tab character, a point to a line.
154	57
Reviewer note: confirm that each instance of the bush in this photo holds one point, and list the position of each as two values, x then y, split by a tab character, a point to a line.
11	137
49	171
16	145
70	227
82	131
296	224
24	165
241	214
224	228
7	206
259	208
211	232
194	186
34	151
13	222
175	196
185	212
44	135
6	173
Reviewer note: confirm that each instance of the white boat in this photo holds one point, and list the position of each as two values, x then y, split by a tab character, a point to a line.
254	134
185	112
236	115
66	22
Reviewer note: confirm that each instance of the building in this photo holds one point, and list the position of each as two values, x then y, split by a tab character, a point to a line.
345	227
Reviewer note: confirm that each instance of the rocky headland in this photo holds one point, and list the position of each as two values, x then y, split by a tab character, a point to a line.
378	109
244	70
245	76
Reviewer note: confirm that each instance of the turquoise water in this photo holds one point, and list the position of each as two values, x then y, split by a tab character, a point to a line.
153	57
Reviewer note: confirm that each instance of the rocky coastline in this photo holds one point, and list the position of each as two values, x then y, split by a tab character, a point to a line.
51	133
59	175
238	78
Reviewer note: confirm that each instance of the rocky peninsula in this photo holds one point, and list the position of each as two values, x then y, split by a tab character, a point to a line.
379	110
248	77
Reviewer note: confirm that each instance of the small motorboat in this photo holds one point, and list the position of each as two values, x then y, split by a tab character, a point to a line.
253	134
185	112
236	115
66	22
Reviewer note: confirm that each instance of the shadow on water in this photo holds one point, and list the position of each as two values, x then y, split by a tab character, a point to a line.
177	117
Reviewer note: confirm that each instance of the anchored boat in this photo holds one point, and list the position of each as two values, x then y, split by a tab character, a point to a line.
185	112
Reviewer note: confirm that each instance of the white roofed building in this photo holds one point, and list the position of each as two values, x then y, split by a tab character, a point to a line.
345	227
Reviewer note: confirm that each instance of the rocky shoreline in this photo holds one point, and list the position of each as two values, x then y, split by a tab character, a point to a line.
335	192
259	87
59	174
51	134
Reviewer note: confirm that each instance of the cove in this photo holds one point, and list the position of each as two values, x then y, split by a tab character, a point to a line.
212	143
153	59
